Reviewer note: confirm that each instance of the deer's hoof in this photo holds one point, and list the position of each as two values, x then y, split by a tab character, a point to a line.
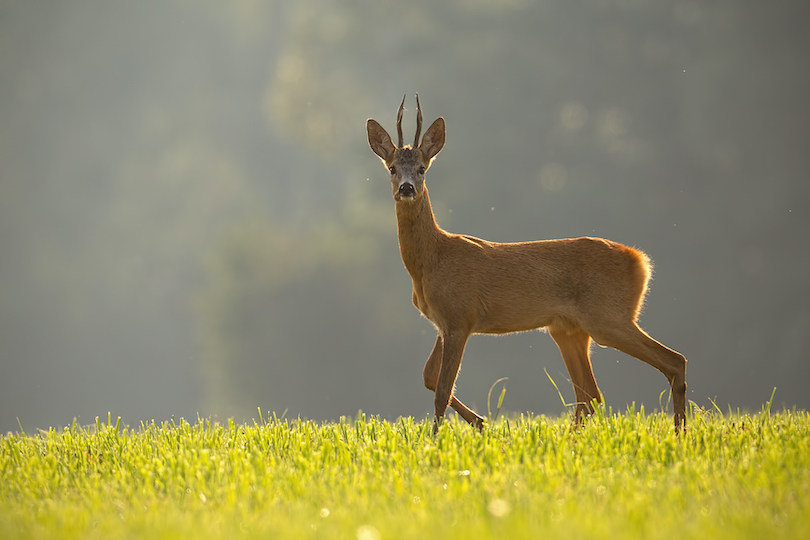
436	423
680	423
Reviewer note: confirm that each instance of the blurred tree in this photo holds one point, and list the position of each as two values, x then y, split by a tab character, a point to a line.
610	121
188	205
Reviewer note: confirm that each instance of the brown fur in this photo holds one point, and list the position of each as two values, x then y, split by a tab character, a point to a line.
579	289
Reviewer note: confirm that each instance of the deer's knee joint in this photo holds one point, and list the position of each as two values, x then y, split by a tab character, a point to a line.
430	384
430	377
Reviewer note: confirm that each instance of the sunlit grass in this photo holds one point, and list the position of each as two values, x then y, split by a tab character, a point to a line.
619	476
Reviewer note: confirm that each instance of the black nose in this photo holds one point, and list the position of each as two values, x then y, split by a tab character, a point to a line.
406	189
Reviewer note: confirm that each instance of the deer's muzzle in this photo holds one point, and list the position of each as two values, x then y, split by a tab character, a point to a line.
406	191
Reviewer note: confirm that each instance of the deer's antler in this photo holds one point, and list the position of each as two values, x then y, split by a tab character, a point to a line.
418	122
399	121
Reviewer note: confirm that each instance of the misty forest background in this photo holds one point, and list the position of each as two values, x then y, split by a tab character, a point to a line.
192	223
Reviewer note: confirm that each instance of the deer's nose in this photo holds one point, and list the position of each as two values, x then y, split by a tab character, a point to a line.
407	190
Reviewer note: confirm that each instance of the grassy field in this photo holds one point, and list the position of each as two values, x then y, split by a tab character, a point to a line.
619	476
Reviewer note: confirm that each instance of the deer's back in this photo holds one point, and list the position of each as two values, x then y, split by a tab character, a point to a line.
492	287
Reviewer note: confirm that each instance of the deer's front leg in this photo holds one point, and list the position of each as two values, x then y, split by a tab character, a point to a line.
430	375
452	350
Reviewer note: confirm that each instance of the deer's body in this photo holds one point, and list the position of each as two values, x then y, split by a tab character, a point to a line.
579	289
516	287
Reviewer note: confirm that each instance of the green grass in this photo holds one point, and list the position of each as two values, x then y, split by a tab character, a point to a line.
619	476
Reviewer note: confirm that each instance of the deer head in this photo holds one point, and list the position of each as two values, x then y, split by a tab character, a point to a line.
407	164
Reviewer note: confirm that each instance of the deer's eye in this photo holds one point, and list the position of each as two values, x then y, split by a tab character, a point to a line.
421	170
392	169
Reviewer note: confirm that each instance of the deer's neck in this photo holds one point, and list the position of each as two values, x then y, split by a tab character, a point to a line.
418	234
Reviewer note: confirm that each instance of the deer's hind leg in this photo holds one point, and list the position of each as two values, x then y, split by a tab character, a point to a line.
430	375
575	344
632	340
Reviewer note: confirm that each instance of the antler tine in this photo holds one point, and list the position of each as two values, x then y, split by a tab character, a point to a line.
418	122
399	120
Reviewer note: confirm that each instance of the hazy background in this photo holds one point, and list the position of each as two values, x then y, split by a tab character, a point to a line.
192	223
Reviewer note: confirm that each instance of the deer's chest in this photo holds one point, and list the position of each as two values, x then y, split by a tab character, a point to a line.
419	299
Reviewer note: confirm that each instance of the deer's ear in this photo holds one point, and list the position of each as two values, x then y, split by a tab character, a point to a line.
433	141
379	140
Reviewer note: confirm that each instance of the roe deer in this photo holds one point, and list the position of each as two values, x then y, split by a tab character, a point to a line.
579	289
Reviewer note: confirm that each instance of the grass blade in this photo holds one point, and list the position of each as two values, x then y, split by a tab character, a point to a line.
489	396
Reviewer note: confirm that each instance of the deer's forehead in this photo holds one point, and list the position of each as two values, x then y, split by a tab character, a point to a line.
409	157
